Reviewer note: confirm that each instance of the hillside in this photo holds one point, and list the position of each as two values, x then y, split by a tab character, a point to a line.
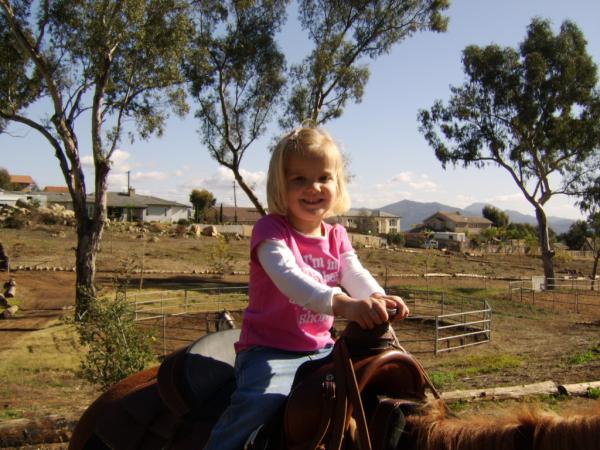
413	213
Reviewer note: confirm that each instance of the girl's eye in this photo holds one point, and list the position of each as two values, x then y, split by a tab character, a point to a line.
325	178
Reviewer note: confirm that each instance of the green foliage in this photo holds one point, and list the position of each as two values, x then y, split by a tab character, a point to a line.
499	218
201	200
117	60
221	258
236	74
117	348
533	111
395	239
4	178
594	393
576	235
345	34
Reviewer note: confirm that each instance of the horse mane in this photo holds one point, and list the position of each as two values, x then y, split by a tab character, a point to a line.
530	428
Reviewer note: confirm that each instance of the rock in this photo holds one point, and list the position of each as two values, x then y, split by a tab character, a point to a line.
10	312
211	230
195	230
3	302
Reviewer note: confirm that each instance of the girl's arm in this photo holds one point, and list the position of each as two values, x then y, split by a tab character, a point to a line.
279	263
355	279
360	284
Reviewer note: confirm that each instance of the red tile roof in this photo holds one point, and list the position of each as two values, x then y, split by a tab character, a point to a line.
56	189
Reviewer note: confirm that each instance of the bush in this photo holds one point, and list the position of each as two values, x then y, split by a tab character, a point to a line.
395	239
221	259
117	348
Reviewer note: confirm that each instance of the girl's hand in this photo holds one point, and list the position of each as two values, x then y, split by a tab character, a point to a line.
394	302
367	313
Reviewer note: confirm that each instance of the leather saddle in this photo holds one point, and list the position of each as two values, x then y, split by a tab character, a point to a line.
356	395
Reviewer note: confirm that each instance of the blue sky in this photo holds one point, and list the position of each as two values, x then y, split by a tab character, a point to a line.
390	160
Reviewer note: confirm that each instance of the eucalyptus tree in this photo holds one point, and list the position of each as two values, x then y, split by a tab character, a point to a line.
114	64
345	36
533	111
236	74
590	204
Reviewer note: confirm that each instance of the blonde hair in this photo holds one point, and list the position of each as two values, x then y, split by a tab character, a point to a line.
304	142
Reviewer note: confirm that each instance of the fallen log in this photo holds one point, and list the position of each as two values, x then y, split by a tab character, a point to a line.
578	388
43	430
502	393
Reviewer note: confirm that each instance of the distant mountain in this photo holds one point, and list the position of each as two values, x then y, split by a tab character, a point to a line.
413	213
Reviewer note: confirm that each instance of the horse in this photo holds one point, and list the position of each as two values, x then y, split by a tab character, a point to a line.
368	394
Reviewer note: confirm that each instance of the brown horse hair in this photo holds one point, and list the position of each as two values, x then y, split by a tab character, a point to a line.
528	429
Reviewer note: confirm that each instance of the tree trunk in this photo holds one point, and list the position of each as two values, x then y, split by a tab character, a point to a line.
546	250
248	191
85	269
89	234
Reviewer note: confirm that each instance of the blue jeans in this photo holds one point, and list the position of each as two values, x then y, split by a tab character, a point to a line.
264	379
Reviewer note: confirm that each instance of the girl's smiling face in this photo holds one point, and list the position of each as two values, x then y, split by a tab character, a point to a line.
311	189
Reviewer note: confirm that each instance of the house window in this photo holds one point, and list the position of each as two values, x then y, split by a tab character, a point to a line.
392	222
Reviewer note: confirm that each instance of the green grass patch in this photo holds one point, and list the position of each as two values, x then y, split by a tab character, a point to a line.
590	355
7	413
45	352
474	365
594	393
442	379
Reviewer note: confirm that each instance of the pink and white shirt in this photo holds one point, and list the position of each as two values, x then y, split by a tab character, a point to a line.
293	278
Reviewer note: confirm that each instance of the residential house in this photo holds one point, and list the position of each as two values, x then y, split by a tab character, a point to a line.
369	221
232	214
23	183
11	198
456	222
129	206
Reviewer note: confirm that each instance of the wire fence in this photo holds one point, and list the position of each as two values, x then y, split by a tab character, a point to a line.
568	294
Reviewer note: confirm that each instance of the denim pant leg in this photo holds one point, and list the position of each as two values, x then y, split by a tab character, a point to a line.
264	379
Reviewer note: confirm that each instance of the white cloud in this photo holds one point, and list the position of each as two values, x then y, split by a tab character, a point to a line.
418	182
87	161
220	183
149	176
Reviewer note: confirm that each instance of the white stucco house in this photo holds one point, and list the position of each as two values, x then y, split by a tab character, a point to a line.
129	206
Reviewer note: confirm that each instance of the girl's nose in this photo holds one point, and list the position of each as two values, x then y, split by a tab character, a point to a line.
315	185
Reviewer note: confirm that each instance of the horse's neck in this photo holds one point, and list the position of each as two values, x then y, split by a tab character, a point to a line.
538	430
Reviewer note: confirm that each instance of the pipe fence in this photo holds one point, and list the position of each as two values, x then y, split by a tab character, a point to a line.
438	322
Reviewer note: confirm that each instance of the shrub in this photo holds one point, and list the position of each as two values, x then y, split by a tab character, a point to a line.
395	239
117	348
221	259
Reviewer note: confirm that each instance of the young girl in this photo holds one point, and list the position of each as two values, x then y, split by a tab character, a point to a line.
296	263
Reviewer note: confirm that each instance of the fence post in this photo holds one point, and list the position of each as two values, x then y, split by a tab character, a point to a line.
577	302
437	335
164	335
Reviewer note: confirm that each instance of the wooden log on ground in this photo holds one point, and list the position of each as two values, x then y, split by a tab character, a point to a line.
502	393
42	430
578	389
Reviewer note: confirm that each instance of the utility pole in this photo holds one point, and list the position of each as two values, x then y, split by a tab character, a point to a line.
234	204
